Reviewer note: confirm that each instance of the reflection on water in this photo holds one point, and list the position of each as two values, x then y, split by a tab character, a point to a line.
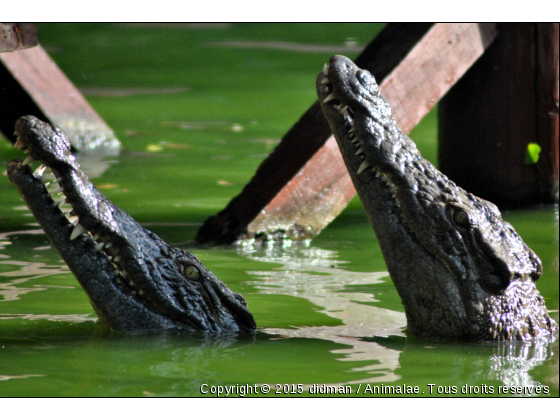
8	377
512	362
315	274
13	289
369	346
14	283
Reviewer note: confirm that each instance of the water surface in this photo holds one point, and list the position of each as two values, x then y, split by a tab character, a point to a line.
197	108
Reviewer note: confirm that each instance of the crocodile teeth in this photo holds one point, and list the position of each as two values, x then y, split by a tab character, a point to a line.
329	98
78	230
27	160
60	202
19	143
365	164
117	259
41	169
98	247
344	110
109	244
325	69
356	140
96	237
360	151
74	220
141	292
325	81
352	130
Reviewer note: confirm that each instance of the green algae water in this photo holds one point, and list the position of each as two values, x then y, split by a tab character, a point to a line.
197	108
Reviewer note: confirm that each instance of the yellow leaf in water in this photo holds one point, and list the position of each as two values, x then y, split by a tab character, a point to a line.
106	186
154	148
225	183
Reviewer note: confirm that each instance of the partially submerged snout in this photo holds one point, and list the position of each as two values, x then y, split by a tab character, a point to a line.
135	281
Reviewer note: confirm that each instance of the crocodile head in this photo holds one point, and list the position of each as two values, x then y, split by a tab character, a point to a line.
134	280
462	271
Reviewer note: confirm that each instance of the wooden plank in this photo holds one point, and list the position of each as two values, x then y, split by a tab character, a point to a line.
303	185
33	82
505	102
300	143
17	36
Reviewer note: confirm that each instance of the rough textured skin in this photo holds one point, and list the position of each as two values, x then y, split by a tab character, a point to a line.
461	270
134	280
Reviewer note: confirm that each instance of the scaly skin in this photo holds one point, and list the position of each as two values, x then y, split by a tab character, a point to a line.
134	280
461	270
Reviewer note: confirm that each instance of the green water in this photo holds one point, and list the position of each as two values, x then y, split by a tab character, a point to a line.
209	113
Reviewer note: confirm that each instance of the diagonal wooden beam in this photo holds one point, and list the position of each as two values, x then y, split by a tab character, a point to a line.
32	84
303	185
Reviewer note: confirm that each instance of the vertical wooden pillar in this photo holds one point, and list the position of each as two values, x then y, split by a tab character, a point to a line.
507	100
547	75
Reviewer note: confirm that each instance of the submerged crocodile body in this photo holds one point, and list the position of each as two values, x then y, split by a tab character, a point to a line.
134	280
462	272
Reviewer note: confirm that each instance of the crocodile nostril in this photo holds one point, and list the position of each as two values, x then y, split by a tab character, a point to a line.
496	282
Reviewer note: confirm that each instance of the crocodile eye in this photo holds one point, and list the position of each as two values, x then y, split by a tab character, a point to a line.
192	272
461	218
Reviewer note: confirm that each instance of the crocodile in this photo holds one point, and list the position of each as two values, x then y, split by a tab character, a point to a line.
462	272
134	280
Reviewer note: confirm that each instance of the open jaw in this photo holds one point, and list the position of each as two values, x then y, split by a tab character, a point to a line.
462	272
134	280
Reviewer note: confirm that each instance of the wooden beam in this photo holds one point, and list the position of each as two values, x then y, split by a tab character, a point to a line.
32	83
508	100
303	185
17	36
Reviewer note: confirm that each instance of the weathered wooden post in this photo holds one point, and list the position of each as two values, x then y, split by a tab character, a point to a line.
506	103
32	84
303	185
